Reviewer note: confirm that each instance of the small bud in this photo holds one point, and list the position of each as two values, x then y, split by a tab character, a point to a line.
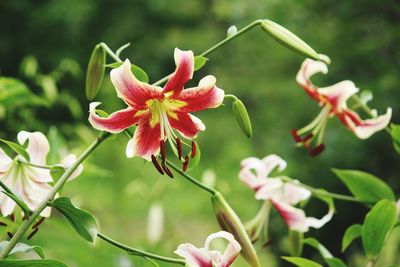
232	30
242	117
95	72
229	221
288	39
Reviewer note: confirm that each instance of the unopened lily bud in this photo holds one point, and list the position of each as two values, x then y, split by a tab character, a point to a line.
95	72
232	30
230	222
242	117
288	39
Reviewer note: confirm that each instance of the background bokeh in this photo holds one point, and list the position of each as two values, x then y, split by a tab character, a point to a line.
47	44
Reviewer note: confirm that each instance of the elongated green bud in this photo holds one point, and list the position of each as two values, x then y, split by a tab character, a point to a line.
242	117
229	221
95	72
288	39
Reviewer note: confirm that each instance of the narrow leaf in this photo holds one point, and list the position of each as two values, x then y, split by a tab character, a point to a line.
95	72
19	202
377	225
364	186
32	263
16	148
24	248
302	262
81	220
395	132
352	233
199	62
335	262
318	246
139	73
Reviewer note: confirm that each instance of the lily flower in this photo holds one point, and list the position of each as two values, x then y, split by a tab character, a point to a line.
282	195
160	113
29	183
204	257
333	100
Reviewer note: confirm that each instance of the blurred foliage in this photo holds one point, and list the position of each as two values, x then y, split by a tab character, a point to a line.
46	44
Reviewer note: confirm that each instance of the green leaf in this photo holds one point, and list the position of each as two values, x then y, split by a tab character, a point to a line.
395	132
377	225
242	117
139	73
56	172
95	72
16	148
19	202
81	220
32	263
199	62
352	233
24	248
318	246
335	262
364	186
302	262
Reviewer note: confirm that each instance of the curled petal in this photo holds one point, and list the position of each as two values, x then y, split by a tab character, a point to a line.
116	122
252	172
194	257
363	129
307	69
205	95
187	124
338	93
38	146
5	161
68	161
145	141
184	61
130	89
273	161
230	253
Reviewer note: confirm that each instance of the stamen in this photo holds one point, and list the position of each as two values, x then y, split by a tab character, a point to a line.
10	235
3	224
179	147
194	148
296	136
33	233
36	225
12	217
167	170
266	244
162	149
307	137
156	164
185	163
316	150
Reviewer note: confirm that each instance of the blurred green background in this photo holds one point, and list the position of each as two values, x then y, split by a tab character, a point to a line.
47	44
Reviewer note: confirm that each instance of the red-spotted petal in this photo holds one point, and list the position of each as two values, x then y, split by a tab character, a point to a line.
130	89
145	141
194	257
38	146
187	125
184	61
116	122
205	95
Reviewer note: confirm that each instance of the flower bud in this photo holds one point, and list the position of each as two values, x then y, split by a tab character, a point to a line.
95	72
288	39
230	222
242	117
232	30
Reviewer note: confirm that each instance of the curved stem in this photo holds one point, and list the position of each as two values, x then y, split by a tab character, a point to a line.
110	52
194	181
35	165
36	213
139	252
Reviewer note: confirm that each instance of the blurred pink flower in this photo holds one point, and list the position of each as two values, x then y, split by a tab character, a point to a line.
204	257
333	100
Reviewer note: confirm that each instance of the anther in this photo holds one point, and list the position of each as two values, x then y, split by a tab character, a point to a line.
194	148
162	150
12	217
185	163
307	137
316	150
3	224
36	225
156	164
10	235
266	244
296	136
179	147
33	233
167	170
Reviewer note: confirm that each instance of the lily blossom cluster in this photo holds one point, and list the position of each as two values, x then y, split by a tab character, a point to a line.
204	257
332	100
160	113
30	183
283	195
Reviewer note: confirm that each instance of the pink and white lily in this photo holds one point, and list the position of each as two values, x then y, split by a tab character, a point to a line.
333	100
160	113
204	257
283	195
29	183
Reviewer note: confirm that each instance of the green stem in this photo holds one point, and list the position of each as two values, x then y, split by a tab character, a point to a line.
110	52
139	252
322	193
194	181
36	213
218	45
35	165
